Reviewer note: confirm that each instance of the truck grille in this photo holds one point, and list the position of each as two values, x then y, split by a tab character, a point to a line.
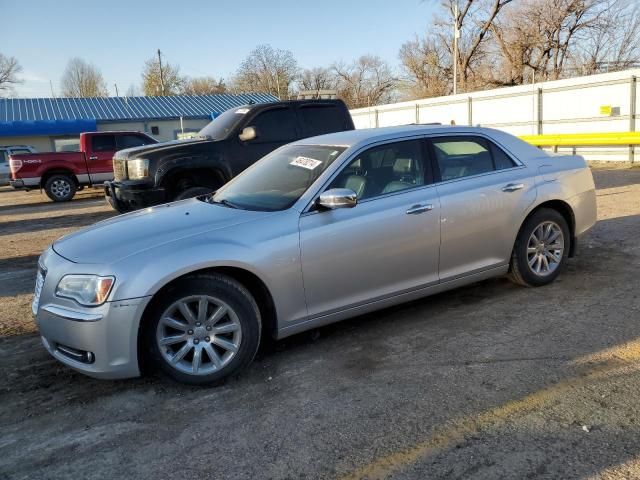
119	169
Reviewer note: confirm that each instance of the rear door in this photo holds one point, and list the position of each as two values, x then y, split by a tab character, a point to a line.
274	127
100	157
484	193
321	118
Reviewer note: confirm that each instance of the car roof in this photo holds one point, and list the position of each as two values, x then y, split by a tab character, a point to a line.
364	136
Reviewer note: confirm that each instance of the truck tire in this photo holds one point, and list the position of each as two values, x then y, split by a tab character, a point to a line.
60	188
193	192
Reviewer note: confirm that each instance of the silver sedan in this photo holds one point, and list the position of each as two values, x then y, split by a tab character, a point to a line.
315	232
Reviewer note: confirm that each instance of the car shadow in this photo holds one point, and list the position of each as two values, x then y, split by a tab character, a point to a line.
52	222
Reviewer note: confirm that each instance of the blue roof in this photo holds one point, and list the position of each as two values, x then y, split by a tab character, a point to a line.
122	108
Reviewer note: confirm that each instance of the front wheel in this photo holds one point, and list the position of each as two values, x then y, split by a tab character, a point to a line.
204	329
541	249
60	188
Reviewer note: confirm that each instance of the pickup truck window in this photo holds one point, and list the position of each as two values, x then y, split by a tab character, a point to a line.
220	128
103	143
131	141
321	119
276	125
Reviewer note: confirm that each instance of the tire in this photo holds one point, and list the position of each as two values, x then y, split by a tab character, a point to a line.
533	262
193	192
182	334
60	188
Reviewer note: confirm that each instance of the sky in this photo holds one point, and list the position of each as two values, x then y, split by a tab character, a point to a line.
202	37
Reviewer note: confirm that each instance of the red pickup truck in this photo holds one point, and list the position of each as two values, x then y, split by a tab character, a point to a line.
61	174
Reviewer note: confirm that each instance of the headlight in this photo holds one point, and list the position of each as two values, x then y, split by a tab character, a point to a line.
87	290
138	168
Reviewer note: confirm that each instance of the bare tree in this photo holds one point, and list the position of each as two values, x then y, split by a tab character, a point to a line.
426	64
9	70
171	82
318	79
82	79
267	70
204	86
366	81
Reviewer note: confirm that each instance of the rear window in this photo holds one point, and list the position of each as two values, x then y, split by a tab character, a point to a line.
131	141
321	119
103	143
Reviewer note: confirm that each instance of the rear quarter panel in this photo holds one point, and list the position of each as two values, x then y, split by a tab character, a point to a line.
36	165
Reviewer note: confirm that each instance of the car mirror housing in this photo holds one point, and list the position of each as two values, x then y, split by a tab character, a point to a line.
338	198
248	133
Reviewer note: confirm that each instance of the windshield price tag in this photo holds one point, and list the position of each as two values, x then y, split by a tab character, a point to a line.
305	162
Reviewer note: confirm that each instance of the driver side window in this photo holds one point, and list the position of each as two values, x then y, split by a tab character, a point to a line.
385	169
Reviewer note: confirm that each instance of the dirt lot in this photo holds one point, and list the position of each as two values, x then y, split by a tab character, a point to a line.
489	381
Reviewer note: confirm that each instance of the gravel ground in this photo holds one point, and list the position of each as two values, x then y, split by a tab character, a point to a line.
488	381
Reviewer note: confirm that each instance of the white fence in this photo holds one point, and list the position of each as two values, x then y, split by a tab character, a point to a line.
595	104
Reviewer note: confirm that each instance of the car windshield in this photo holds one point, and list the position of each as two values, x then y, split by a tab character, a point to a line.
278	180
220	127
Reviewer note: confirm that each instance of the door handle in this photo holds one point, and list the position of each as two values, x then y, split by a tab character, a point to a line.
512	187
416	209
93	157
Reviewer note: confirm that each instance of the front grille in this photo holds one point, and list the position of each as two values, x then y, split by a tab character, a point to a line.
119	169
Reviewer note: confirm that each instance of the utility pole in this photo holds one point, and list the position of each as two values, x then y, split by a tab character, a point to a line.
456	35
51	85
161	75
116	85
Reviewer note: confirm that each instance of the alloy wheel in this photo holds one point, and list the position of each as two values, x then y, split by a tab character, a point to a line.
199	334
545	248
60	188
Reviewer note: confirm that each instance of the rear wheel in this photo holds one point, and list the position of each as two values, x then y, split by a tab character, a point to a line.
60	188
541	249
204	329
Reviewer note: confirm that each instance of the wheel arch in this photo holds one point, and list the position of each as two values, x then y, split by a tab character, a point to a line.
564	209
254	284
178	178
58	171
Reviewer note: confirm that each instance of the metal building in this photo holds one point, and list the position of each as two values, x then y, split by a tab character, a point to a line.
54	124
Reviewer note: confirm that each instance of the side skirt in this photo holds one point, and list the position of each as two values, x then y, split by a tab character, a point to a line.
322	320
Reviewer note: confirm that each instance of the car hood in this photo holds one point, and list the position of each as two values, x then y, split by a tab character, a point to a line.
175	147
114	239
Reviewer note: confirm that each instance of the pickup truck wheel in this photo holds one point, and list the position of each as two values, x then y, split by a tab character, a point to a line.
193	192
204	329
60	188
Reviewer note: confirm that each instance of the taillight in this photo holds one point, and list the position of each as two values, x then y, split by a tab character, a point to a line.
15	165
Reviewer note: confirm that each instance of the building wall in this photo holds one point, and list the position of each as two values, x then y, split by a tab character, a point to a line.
563	106
168	129
41	144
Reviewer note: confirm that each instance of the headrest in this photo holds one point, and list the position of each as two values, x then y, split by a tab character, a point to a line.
402	166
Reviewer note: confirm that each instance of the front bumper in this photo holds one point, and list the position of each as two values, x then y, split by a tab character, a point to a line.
123	197
101	342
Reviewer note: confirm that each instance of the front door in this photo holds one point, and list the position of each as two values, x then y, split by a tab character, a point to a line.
100	159
483	195
387	244
274	127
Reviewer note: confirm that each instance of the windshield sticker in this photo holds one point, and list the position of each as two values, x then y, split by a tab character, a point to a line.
305	162
242	111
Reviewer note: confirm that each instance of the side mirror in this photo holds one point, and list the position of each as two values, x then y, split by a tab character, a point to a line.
338	198
248	133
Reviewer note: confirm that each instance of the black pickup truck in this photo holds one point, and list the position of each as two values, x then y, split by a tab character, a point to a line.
170	171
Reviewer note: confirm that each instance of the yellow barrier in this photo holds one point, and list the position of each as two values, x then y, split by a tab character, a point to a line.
583	139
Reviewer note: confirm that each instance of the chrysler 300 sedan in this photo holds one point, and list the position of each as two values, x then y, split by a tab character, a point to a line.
317	231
